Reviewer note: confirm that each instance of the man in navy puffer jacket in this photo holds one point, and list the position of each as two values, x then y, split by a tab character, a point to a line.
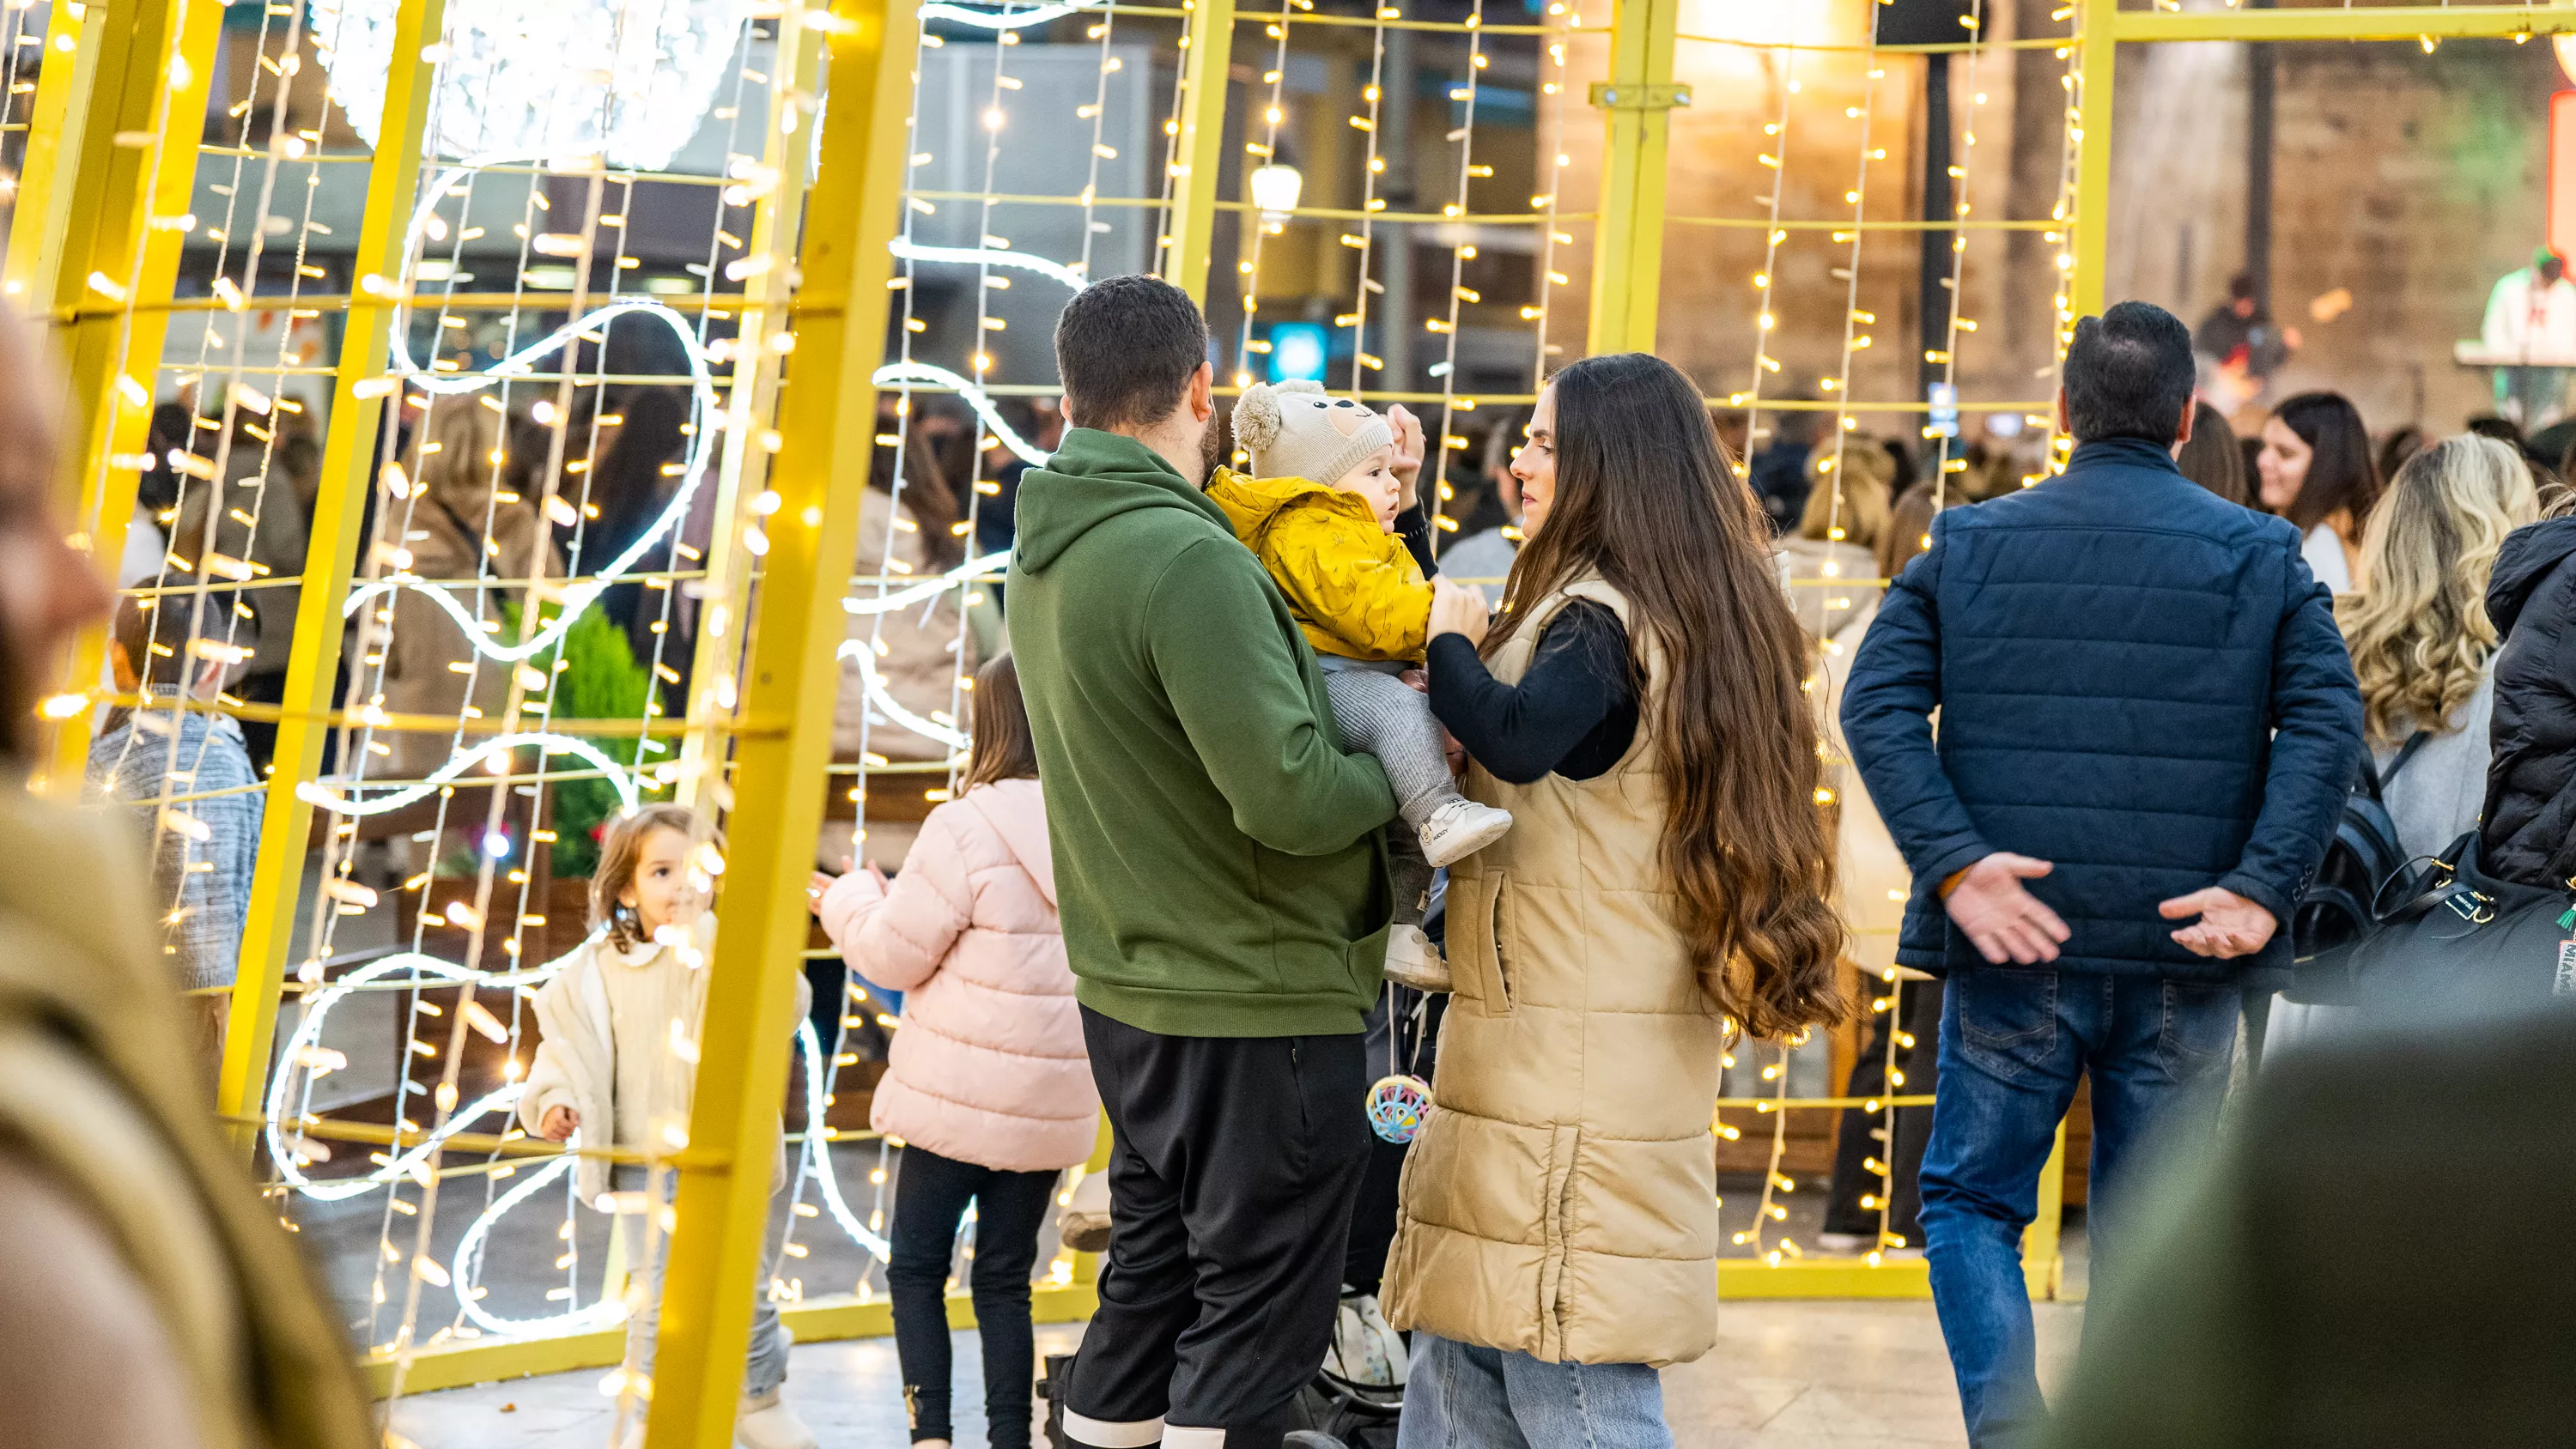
2147	727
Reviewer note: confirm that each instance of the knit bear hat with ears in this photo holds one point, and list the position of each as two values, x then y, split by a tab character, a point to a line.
1293	430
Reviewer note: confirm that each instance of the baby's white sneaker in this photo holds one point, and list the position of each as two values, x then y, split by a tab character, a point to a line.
1411	960
1461	828
765	1422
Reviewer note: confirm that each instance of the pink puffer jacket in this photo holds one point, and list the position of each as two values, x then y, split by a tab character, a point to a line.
988	1066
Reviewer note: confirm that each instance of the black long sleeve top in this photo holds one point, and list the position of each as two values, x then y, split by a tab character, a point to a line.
1573	713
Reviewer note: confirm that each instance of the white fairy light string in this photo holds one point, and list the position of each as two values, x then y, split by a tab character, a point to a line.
457	765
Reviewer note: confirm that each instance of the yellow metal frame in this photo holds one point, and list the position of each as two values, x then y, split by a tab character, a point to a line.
455	1364
121	84
41	165
349	437
1198	152
108	230
826	422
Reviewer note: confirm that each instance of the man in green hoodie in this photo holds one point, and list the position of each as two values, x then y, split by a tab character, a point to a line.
1221	876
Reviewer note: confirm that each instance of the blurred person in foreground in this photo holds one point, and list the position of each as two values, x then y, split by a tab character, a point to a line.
2366	1263
148	1298
2102	867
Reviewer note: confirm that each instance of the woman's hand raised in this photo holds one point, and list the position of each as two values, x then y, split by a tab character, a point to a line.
1457	609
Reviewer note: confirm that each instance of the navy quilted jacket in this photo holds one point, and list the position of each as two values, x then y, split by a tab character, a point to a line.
2136	680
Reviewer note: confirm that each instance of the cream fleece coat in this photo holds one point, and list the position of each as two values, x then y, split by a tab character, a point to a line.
988	1066
577	1048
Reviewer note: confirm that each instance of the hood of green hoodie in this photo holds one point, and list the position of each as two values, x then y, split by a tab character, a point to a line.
1094	477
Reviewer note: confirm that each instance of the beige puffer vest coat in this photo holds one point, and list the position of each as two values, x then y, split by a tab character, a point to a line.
1562	1198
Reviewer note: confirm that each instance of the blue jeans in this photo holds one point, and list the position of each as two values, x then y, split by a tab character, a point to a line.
1459	1396
2014	1044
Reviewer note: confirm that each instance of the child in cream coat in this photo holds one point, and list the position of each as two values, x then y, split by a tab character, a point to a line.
617	1065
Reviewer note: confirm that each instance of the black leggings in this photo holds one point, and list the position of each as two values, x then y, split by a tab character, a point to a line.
930	1197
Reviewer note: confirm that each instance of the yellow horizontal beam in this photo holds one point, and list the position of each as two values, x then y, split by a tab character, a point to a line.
2377	22
1840	227
1744	1278
1944	47
453	1364
1740	1279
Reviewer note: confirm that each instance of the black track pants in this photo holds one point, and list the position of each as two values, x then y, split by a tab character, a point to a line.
1230	1191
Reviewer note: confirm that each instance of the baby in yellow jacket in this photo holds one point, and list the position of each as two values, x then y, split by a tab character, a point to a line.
1319	511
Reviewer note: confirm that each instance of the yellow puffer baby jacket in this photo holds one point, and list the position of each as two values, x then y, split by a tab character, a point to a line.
1352	585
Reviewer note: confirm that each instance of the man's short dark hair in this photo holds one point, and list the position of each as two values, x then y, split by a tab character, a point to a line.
1126	349
2128	375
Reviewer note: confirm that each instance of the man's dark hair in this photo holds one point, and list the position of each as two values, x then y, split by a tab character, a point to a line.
1126	348
2129	374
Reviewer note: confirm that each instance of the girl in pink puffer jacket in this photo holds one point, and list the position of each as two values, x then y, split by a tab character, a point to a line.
987	1086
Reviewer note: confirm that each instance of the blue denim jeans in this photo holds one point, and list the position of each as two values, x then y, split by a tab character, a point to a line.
1459	1396
2014	1044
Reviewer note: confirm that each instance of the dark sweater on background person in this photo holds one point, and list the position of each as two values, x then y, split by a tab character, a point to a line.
2529	835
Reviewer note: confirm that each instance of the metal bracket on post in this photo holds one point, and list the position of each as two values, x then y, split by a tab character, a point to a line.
1612	96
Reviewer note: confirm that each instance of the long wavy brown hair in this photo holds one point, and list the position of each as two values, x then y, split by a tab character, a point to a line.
1647	500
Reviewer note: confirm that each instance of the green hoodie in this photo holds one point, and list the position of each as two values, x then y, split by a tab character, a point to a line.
1218	859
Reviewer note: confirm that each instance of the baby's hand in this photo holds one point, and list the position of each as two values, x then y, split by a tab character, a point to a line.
815	884
1457	609
1408	451
558	1123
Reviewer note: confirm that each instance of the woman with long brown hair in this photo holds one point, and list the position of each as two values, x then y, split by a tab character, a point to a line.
1667	886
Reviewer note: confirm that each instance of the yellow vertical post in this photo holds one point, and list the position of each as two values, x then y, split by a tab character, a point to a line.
109	257
1198	152
2043	1262
743	466
348	442
40	169
2093	154
827	426
1628	239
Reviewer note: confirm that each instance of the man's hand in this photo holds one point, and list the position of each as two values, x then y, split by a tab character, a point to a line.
1408	452
1457	609
2229	925
558	1123
2005	921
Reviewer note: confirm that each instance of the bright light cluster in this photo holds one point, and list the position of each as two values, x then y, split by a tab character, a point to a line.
627	79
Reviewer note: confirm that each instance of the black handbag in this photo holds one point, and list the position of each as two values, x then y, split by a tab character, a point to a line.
2334	915
2452	939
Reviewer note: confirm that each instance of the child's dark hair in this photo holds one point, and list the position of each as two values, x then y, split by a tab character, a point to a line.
621	849
1001	747
161	626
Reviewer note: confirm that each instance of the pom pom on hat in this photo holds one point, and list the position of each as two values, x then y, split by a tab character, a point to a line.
1295	429
1256	413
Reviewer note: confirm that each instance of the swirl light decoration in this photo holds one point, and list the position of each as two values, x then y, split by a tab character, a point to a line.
306	1059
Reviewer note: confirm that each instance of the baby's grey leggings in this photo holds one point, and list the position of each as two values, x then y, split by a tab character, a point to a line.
1392	720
